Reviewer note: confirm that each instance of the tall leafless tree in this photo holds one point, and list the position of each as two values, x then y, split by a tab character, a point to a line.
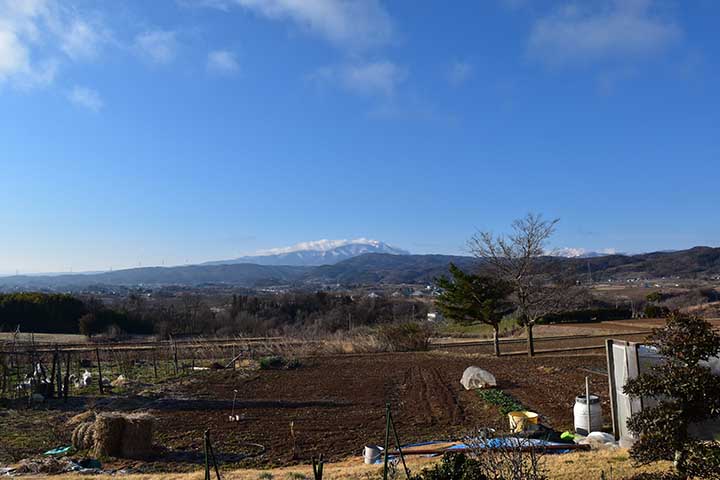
516	258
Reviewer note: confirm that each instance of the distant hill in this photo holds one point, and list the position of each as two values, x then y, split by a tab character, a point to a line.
698	262
244	275
319	252
375	268
383	268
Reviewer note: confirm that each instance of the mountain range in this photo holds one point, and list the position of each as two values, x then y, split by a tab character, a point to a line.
382	268
319	252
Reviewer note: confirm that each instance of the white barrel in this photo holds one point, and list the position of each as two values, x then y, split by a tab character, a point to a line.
371	453
580	413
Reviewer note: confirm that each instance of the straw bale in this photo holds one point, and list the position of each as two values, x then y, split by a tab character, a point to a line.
137	437
108	432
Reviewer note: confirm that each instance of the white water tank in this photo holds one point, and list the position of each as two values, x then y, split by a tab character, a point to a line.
580	413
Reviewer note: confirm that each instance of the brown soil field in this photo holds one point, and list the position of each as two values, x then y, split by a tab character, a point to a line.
337	404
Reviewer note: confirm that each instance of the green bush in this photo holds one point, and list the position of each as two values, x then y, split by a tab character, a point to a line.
277	362
453	466
293	363
272	363
687	393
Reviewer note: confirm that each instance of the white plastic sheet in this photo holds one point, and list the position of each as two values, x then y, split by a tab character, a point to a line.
475	377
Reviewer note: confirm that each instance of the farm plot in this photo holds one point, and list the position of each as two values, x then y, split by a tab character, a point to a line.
336	405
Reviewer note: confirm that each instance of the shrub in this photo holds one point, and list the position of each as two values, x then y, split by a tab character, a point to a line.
686	391
453	466
486	464
271	363
293	363
277	362
656	311
406	337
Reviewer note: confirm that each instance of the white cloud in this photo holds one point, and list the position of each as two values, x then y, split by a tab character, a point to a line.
622	28
157	46
81	40
354	24
223	61
36	36
86	98
370	78
14	55
459	72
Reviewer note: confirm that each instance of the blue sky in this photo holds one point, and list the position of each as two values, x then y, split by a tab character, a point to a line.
173	131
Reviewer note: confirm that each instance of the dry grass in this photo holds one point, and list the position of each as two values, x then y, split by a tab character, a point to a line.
590	465
585	465
44	337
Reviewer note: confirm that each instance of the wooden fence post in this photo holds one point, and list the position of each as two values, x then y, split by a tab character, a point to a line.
100	379
51	392
154	360
66	382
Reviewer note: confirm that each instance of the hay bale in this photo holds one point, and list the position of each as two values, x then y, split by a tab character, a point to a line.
84	417
137	439
108	434
83	437
75	439
88	439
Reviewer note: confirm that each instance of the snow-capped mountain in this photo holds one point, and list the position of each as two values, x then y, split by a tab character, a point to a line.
319	252
570	252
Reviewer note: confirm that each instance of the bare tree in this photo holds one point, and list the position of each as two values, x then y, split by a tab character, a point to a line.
516	259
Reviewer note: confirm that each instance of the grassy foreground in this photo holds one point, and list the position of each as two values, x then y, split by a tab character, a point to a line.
585	465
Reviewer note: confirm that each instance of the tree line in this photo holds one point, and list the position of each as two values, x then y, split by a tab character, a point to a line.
194	314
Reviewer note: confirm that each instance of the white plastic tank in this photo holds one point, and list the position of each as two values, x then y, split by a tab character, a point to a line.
580	413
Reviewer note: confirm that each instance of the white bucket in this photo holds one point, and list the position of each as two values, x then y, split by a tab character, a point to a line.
580	414
371	453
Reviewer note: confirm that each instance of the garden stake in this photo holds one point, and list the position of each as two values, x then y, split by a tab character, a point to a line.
390	424
318	468
208	453
397	444
387	440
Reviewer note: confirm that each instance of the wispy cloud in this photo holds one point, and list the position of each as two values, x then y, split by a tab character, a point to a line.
86	98
38	36
82	40
223	61
367	78
459	73
157	46
353	24
577	34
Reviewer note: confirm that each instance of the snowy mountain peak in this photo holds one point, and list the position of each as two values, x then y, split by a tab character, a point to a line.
314	253
571	252
323	245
